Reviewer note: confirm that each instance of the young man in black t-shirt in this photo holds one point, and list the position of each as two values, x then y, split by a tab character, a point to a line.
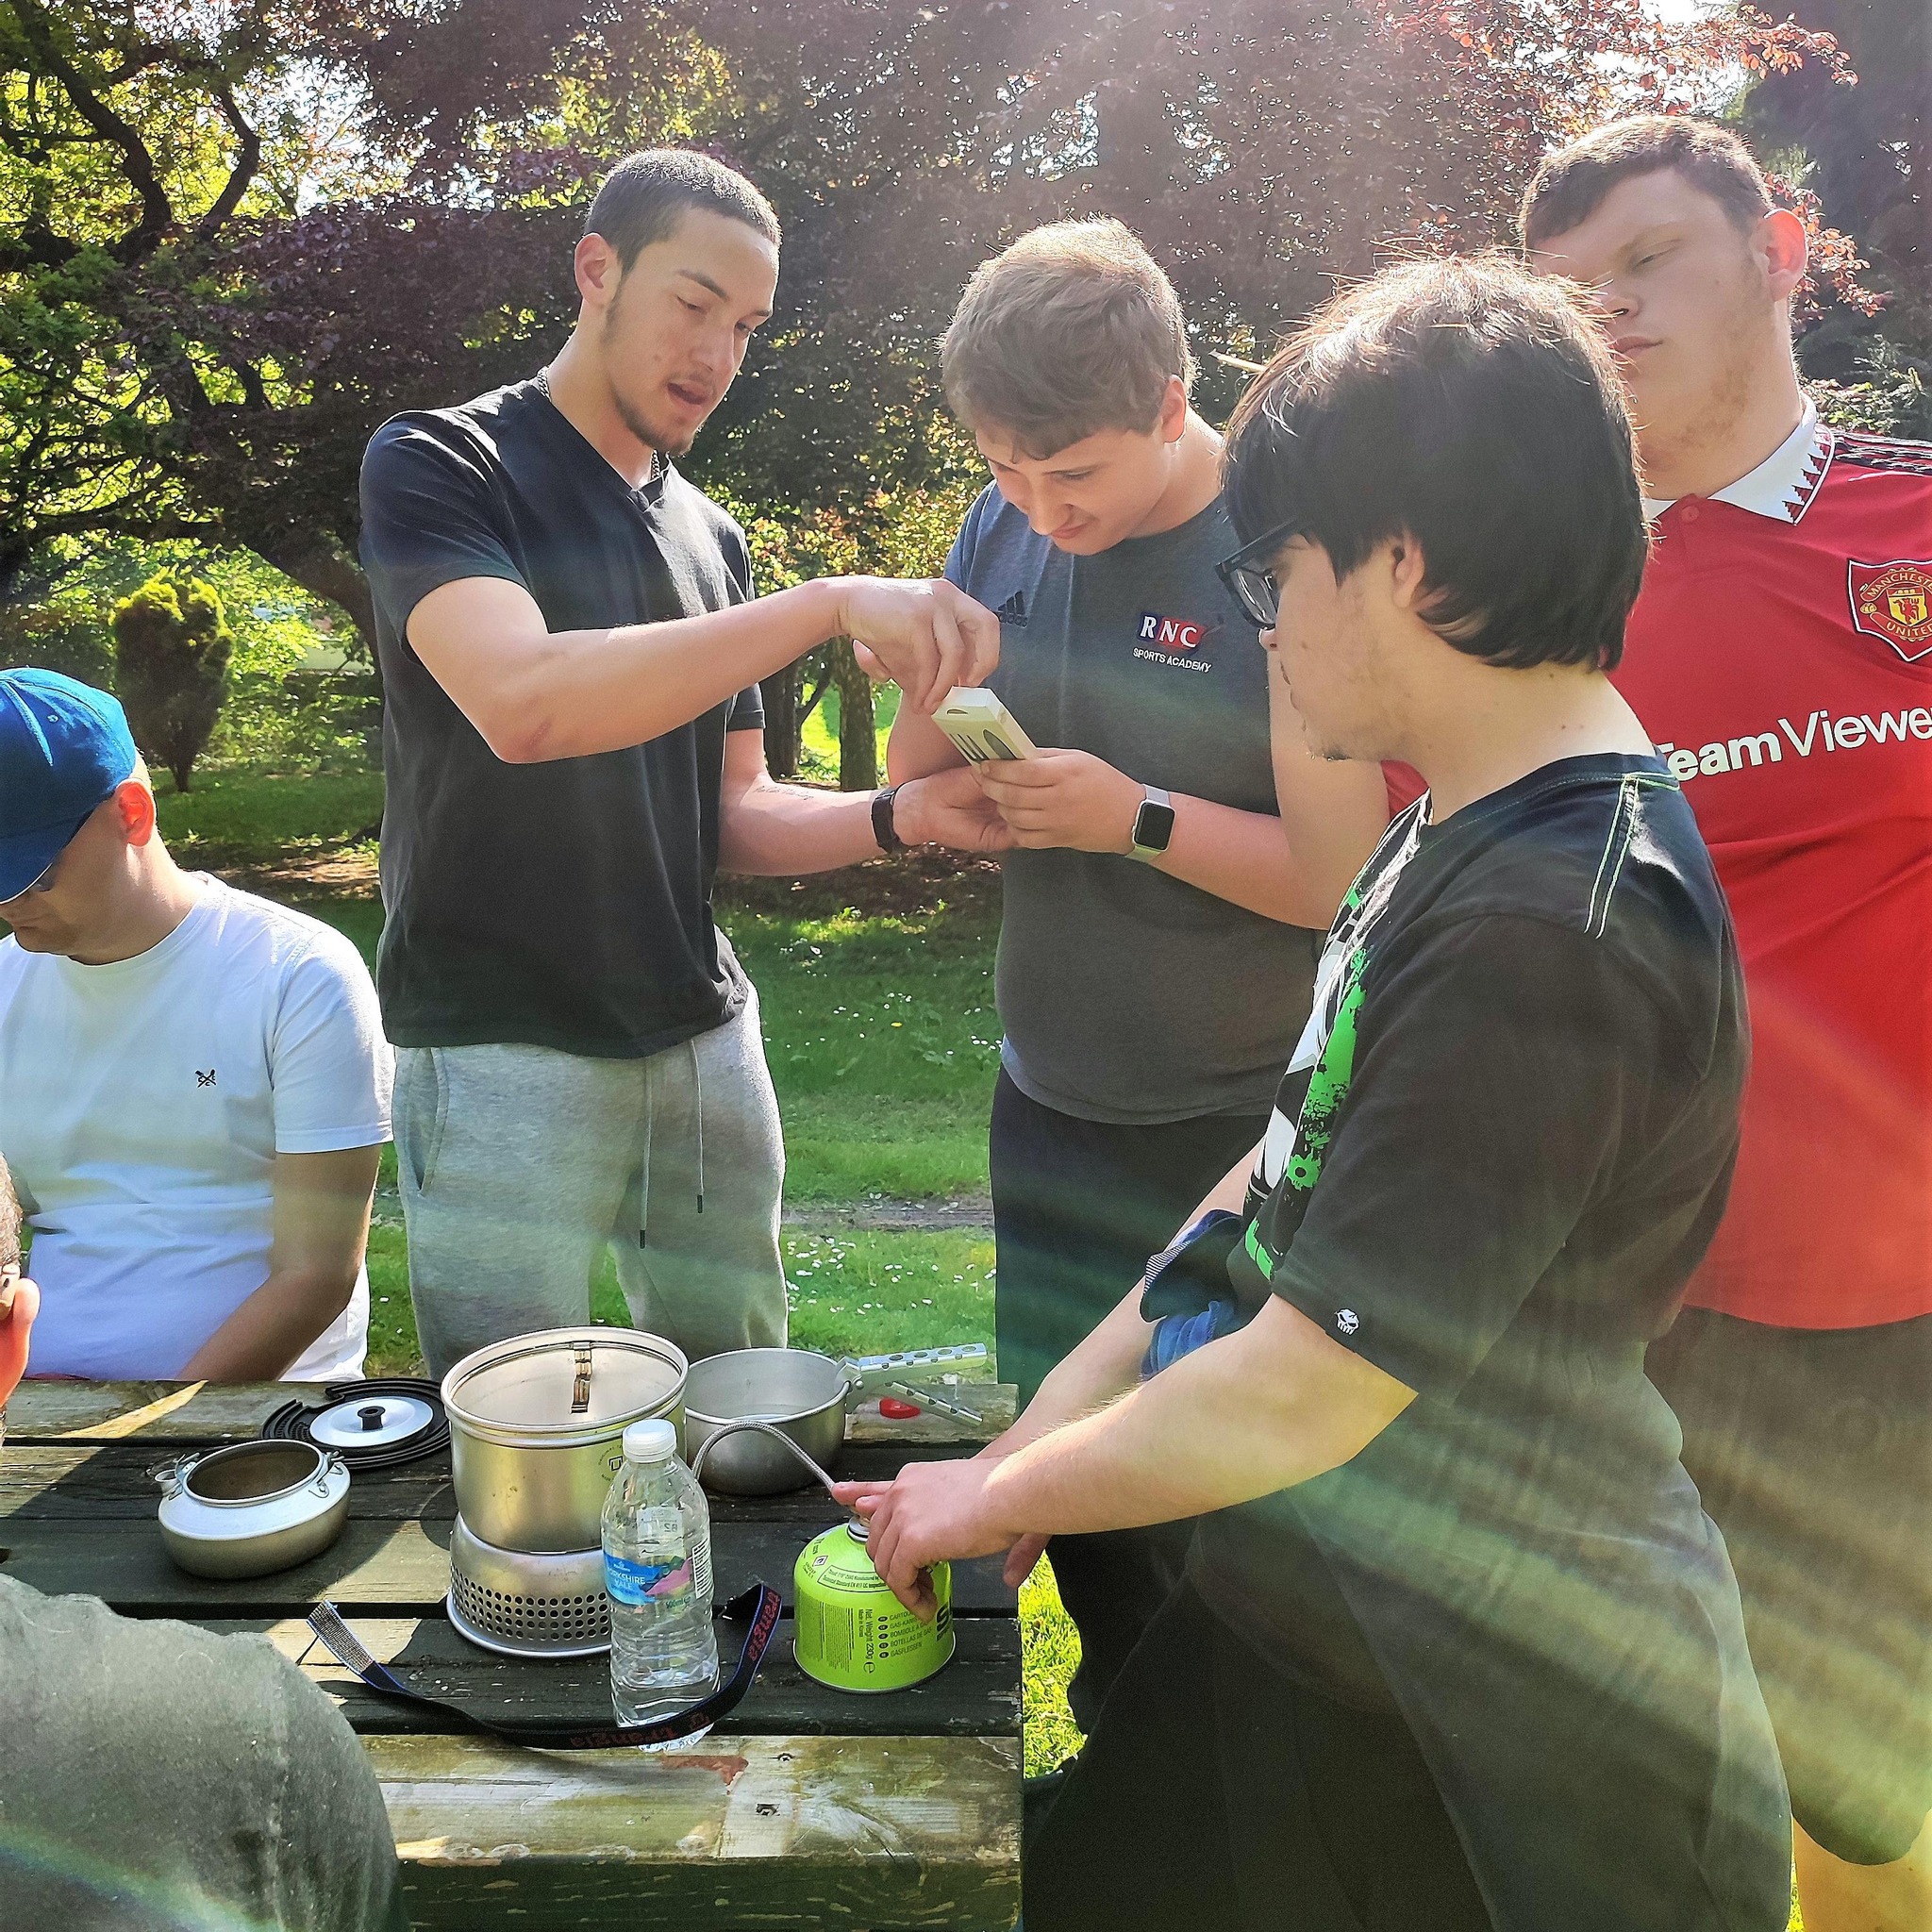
573	745
1457	1646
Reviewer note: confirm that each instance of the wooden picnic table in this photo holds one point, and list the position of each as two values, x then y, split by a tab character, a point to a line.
808	1806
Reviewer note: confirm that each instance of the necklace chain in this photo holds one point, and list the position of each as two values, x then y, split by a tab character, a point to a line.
543	390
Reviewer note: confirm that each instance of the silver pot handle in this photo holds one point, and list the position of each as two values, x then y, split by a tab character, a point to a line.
777	1435
173	1476
332	1465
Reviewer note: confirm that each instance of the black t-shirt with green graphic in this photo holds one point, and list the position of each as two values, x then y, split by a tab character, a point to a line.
1501	1146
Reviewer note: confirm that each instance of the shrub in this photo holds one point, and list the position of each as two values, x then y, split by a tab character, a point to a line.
172	653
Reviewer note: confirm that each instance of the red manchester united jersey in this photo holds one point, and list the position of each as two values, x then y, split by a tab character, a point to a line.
1780	657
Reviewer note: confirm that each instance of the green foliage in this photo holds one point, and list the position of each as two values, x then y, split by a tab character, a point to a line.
902	533
1889	393
53	639
301	698
234	238
172	647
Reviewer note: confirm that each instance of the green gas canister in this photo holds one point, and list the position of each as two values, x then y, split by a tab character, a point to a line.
851	1632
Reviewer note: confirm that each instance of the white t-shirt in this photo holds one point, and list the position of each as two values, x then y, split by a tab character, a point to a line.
141	1106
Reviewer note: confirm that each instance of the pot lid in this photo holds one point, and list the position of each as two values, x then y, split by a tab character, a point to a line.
566	1379
370	1422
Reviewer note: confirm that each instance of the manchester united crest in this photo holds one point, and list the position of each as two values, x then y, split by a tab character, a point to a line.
1893	601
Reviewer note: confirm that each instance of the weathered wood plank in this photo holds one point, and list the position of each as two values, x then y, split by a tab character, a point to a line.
153	1411
381	1566
875	1832
994	1399
976	1694
100	1480
189	1412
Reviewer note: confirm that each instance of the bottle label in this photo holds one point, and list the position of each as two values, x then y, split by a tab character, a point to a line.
647	1583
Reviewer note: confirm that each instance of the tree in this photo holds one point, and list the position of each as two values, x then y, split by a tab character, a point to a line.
170	658
234	238
1867	152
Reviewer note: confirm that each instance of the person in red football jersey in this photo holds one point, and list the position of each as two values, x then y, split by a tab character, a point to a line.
1780	656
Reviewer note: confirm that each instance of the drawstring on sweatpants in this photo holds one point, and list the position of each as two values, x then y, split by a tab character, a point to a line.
697	1079
698	1074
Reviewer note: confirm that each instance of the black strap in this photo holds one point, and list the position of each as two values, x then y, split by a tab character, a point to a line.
757	1608
883	829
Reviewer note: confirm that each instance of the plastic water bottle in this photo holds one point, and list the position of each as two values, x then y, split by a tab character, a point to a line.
658	1574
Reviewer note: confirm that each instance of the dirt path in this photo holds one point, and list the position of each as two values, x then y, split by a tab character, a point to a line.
969	1213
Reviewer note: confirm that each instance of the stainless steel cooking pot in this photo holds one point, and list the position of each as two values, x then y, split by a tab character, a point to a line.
536	1430
252	1509
801	1394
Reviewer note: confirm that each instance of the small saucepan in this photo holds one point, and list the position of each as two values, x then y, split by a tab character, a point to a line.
252	1509
802	1395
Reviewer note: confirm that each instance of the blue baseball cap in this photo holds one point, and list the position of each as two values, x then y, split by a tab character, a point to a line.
63	748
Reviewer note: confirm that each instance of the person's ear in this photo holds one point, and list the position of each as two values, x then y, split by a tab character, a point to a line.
1781	245
1407	571
1173	410
598	272
135	804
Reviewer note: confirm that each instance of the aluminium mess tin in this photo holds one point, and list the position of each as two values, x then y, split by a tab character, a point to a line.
536	1430
252	1508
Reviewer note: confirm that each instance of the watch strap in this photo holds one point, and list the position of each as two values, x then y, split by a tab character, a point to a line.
883	829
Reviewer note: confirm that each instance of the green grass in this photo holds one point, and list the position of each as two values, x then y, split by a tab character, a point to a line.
852	1291
882	1040
253	818
883	1045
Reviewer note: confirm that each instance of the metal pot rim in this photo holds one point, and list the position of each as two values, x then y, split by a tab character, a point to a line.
777	1422
797	1415
237	1452
567	1434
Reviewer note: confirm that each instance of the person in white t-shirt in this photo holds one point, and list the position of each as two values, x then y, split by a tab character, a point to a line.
193	1082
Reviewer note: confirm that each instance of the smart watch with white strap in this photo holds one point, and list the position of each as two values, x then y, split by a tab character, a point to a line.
1153	825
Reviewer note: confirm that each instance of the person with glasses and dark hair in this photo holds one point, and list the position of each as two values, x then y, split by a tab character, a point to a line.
156	1778
1456	1645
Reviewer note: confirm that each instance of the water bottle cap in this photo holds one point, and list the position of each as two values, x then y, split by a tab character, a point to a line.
651	1441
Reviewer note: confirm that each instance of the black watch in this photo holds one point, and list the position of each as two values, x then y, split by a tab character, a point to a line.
883	828
1153	825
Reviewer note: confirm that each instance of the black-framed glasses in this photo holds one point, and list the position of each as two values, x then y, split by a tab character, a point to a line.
1249	576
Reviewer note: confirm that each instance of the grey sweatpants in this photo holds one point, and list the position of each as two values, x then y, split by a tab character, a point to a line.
518	1163
155	1778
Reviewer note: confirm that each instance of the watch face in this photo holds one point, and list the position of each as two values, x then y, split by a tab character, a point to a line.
1153	825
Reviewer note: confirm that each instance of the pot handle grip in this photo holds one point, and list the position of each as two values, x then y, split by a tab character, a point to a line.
332	1466
173	1475
777	1435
